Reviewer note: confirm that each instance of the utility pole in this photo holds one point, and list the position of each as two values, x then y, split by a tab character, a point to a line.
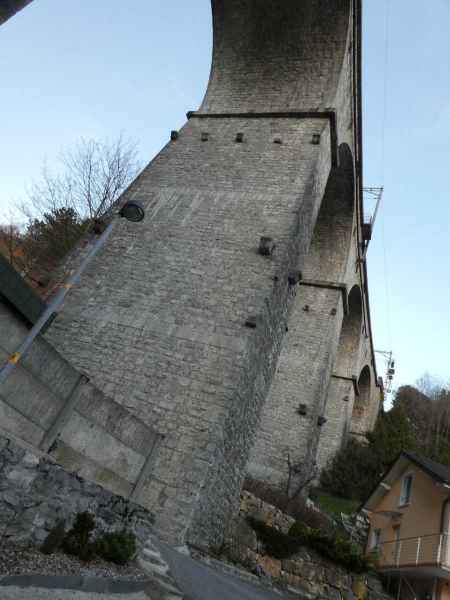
376	195
390	369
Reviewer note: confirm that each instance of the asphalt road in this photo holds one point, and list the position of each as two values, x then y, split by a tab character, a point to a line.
201	582
197	580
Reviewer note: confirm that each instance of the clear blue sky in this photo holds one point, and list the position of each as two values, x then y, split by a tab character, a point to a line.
74	68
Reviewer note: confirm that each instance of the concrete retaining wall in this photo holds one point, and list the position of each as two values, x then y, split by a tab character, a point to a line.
51	406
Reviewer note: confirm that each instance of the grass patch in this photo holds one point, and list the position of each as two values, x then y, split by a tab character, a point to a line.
334	505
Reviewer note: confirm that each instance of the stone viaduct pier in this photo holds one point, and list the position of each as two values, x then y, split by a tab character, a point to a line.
9	8
235	319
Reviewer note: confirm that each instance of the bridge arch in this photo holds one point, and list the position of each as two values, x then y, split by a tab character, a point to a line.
330	246
361	406
341	389
266	54
350	336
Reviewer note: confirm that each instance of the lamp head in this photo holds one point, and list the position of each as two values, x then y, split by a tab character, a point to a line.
132	211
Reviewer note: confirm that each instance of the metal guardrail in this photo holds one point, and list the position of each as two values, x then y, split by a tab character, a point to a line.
427	550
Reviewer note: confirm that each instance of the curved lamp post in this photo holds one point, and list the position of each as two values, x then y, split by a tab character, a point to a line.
132	211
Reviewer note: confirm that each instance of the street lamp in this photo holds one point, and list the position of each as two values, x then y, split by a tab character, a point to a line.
132	211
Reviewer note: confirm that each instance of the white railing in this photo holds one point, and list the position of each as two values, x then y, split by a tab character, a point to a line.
426	550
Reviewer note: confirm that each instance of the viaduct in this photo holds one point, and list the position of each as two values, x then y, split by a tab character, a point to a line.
8	8
234	320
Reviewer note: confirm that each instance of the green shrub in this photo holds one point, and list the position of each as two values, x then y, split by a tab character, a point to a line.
336	547
77	541
277	544
54	539
331	545
299	530
294	507
268	493
118	547
353	472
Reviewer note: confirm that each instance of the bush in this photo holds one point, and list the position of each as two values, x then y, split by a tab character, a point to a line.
336	547
268	493
277	544
118	547
77	541
353	472
314	519
55	538
331	545
276	496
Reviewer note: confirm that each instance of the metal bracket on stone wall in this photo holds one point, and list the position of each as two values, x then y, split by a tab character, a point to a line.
328	115
251	322
266	246
353	379
294	277
52	434
330	285
146	469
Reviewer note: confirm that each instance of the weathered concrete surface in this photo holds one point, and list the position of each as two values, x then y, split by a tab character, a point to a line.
180	319
8	8
50	405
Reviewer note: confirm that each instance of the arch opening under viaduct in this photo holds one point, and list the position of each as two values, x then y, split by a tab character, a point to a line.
341	392
361	407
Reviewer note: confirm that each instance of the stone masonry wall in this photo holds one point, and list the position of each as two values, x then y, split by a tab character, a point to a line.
9	8
36	492
305	572
290	423
179	318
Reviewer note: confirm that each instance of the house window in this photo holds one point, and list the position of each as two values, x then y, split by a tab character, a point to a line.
376	537
405	495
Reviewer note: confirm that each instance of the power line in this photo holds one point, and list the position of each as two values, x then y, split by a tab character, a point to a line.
382	166
385	87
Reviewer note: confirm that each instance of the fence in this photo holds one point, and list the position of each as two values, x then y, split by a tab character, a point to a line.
427	550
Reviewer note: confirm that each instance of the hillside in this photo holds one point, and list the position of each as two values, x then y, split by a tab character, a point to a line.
419	420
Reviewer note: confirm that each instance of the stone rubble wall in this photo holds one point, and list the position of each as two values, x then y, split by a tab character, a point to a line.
36	492
306	571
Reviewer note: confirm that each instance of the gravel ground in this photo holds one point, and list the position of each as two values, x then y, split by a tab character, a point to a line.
18	560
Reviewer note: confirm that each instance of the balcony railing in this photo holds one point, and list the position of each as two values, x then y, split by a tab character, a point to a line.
426	550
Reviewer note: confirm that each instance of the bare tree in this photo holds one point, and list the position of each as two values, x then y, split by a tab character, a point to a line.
300	475
92	176
436	414
62	204
10	242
